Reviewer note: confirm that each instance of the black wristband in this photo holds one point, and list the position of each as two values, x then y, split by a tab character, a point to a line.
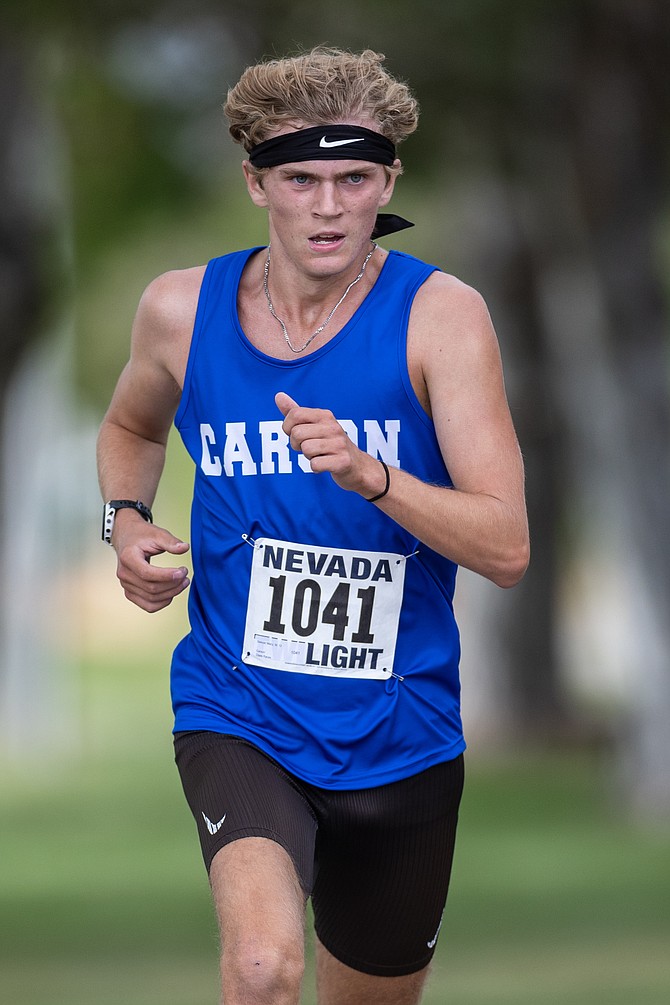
388	482
109	512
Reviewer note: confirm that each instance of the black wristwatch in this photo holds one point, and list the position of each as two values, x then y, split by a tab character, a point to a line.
109	512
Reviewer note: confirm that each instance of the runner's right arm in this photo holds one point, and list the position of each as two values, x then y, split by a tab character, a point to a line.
134	432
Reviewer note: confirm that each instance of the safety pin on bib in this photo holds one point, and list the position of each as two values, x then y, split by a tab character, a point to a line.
404	558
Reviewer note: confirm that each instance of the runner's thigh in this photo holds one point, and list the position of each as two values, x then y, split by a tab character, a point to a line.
384	861
235	791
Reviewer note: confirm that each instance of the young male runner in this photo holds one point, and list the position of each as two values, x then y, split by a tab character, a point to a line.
345	410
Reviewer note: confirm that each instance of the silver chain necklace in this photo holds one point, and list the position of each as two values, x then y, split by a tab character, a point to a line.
266	272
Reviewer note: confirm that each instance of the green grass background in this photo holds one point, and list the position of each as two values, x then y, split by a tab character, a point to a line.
554	898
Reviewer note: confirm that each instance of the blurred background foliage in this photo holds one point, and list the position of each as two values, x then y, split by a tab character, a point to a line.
539	175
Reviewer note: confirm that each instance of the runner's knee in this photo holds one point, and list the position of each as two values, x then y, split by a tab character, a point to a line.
263	971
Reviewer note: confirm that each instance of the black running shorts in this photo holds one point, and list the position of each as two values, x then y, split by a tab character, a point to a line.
376	862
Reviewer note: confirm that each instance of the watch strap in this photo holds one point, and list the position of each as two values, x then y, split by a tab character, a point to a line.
109	513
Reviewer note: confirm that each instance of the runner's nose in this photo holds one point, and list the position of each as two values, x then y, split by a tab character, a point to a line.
327	203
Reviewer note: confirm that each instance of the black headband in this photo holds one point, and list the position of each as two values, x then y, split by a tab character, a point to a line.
324	143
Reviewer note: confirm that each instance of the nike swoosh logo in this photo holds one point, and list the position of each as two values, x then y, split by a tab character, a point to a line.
323	142
433	942
213	828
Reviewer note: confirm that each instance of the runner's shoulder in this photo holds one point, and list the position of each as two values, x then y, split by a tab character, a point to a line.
168	305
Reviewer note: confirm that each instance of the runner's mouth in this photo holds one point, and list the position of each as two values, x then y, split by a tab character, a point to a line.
326	238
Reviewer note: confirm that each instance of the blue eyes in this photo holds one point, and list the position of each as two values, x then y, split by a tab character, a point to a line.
303	179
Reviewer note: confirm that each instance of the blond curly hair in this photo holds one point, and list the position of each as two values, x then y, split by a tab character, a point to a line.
324	85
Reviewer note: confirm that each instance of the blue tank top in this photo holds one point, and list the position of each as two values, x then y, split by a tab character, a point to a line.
321	630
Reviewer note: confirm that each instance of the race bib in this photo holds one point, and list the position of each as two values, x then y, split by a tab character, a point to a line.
326	611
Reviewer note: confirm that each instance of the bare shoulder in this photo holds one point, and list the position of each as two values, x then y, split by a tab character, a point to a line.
450	336
445	307
169	302
165	317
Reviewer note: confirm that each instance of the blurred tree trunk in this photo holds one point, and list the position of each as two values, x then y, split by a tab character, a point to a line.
583	149
22	285
35	701
21	281
622	162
